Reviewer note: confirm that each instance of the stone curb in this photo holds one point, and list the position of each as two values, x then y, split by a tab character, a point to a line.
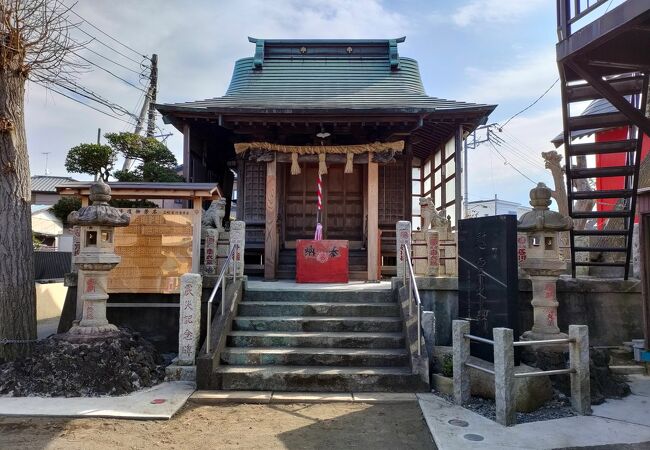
266	397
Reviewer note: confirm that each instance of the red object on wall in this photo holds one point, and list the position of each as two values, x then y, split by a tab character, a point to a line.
323	261
613	159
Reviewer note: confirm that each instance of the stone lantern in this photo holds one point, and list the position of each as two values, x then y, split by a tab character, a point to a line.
96	257
543	263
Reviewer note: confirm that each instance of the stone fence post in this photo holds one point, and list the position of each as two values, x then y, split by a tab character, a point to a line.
579	360
238	237
403	229
504	376
460	343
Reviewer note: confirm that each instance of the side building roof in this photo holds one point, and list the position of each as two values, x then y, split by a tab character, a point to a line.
48	183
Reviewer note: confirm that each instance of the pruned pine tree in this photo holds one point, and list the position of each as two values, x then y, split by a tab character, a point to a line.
34	44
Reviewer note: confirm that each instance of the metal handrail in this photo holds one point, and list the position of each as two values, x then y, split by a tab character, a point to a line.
222	278
567	15
413	289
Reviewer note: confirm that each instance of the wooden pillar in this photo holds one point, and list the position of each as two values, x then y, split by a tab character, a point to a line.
271	229
186	153
458	198
373	219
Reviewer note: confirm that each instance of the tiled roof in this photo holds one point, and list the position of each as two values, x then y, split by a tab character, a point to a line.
47	183
325	78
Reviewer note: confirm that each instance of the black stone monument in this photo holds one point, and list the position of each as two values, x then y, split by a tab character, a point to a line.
488	278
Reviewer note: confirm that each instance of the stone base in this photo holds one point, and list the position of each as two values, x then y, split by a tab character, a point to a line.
530	392
86	330
444	385
537	336
174	372
85	336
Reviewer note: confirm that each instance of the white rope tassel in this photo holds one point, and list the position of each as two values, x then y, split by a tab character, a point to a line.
349	157
295	167
322	166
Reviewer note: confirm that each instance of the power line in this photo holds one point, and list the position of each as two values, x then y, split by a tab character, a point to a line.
139	72
532	104
80	102
108	35
108	71
95	39
90	95
507	163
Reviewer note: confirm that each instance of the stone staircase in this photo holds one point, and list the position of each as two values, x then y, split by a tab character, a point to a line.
349	339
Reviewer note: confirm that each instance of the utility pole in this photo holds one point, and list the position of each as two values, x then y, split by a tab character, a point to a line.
153	88
147	107
472	146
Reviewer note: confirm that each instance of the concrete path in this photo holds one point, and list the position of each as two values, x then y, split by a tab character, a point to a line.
624	421
159	402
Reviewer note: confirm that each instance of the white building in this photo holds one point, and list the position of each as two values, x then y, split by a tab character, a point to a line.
495	207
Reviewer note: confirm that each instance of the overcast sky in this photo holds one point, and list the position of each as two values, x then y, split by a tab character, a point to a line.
485	51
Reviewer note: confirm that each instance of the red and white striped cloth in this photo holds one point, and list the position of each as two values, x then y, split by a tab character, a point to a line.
318	236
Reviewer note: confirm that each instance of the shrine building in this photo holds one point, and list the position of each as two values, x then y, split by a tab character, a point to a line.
353	111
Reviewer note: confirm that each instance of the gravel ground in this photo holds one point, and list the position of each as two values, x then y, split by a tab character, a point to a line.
556	408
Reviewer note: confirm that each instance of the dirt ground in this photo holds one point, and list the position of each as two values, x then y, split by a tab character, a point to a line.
233	426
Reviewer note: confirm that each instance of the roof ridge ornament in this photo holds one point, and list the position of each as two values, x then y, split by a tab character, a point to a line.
393	55
258	59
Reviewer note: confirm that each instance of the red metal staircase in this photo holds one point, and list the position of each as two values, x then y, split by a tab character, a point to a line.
605	59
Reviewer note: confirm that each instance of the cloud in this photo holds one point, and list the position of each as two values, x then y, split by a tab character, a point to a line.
524	77
495	11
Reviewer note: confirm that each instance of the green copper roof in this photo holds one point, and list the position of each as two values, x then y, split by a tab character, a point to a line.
290	76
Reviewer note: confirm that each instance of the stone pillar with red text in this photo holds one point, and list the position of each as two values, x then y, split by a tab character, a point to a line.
211	237
433	253
94	296
403	229
238	238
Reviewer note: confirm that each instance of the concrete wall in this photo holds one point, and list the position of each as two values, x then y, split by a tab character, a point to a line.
611	308
49	300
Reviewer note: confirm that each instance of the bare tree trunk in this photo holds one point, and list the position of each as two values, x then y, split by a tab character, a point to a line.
17	290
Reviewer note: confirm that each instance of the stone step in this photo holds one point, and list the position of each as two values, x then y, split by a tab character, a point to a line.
297	356
318	379
317	323
358	340
318	309
290	274
320	295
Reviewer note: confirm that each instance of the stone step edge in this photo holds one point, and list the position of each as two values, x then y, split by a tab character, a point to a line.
265	397
343	334
338	304
318	351
314	370
324	318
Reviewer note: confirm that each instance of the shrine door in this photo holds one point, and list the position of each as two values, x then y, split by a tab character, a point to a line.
342	214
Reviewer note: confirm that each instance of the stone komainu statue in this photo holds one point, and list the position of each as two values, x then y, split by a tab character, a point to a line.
430	217
213	216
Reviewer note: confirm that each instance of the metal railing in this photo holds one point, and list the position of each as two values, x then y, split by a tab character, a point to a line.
413	293
571	11
504	367
233	263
